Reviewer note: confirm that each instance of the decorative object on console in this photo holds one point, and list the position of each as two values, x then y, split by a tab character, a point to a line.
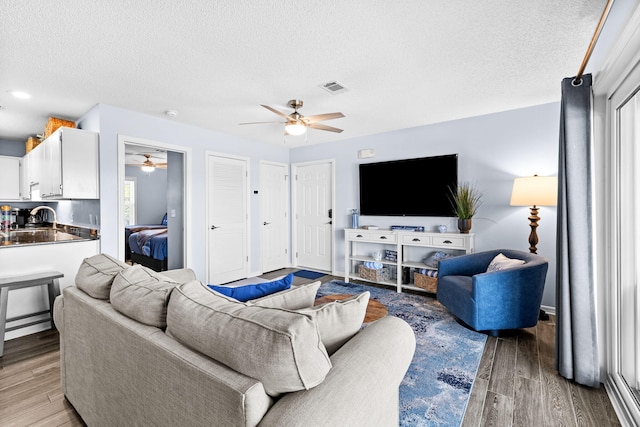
442	228
534	191
354	218
408	227
465	199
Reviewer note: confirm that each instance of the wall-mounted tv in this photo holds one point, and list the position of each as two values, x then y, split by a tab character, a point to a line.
410	187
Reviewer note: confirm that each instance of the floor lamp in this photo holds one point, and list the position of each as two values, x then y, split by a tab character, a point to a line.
534	191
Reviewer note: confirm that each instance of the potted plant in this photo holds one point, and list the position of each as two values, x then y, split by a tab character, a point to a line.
465	199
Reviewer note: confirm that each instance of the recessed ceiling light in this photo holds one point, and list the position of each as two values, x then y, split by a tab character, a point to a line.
171	113
19	94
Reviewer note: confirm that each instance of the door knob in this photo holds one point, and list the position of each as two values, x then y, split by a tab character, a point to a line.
266	223
213	227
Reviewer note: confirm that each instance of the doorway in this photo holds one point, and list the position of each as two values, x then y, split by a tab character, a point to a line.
166	192
227	218
313	202
274	217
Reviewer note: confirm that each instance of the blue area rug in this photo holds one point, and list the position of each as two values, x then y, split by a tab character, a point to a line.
435	391
308	274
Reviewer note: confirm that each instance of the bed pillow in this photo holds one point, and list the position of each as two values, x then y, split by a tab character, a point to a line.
142	294
338	321
164	220
96	275
501	262
294	298
248	292
280	348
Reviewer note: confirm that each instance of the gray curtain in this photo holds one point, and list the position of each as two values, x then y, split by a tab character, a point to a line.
576	334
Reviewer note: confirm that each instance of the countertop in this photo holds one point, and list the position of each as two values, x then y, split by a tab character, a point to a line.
46	235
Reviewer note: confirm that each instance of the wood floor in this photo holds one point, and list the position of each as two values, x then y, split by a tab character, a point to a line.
516	385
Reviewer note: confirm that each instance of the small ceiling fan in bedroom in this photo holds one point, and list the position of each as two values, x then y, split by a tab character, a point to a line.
297	124
147	165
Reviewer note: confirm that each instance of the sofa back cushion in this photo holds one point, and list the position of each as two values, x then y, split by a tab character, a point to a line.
142	294
280	348
96	275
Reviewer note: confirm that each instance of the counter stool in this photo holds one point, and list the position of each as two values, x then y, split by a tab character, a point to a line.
49	278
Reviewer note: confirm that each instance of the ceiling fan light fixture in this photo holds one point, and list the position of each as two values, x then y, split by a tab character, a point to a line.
147	168
295	128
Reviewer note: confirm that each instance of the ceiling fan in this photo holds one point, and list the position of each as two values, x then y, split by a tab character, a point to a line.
297	124
148	165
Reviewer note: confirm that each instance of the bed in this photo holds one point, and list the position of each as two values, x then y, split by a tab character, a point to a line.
146	244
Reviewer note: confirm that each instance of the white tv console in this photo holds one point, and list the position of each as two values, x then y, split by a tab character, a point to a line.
411	247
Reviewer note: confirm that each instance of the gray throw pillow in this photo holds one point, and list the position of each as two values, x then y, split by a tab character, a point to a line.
142	294
295	297
280	348
339	321
96	275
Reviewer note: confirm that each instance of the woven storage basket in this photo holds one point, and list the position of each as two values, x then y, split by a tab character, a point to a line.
54	123
428	283
31	143
373	275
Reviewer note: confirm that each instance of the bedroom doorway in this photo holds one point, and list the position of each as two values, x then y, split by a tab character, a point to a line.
160	200
313	202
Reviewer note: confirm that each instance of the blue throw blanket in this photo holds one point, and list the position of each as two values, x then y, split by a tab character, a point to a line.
152	243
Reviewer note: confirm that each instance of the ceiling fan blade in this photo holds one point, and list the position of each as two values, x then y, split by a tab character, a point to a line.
280	113
258	123
322	117
324	127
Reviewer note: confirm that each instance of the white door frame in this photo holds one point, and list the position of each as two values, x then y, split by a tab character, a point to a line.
294	214
287	211
186	151
247	160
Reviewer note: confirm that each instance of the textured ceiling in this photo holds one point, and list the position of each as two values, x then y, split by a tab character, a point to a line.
405	63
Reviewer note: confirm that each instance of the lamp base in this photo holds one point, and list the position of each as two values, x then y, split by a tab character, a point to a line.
533	236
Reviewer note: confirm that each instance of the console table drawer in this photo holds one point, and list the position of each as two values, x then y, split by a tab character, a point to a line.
453	242
368	236
416	240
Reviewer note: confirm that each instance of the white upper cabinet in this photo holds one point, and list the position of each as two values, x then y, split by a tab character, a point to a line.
67	165
9	178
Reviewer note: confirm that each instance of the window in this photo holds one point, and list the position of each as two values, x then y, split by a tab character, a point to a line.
130	200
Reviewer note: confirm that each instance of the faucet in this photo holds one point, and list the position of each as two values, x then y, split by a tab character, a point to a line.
55	218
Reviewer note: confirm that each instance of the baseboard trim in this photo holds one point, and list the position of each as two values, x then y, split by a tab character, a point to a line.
548	309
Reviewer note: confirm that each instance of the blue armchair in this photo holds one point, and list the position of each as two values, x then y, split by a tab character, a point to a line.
497	300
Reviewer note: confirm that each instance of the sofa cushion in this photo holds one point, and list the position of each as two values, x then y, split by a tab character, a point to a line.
258	290
338	321
142	294
501	262
296	297
96	275
280	348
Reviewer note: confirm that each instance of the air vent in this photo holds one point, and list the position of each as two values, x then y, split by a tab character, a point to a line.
334	87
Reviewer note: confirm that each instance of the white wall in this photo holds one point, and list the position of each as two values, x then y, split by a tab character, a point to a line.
111	121
493	150
151	194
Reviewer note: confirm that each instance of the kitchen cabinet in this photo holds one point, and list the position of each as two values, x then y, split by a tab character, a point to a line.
64	166
25	177
9	178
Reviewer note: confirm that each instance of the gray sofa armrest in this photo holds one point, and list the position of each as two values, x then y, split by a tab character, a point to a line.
181	275
362	387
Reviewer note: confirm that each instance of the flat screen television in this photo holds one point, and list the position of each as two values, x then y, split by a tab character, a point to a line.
410	187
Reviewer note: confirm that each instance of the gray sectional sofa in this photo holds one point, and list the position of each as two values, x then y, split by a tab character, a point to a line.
160	349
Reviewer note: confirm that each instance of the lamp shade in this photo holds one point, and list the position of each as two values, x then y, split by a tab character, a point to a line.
148	169
535	191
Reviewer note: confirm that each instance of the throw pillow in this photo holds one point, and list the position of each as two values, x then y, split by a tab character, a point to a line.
142	294
501	262
248	292
96	275
280	348
296	297
338	321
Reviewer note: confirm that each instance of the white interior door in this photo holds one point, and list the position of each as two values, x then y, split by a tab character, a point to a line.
274	215
313	212
227	219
